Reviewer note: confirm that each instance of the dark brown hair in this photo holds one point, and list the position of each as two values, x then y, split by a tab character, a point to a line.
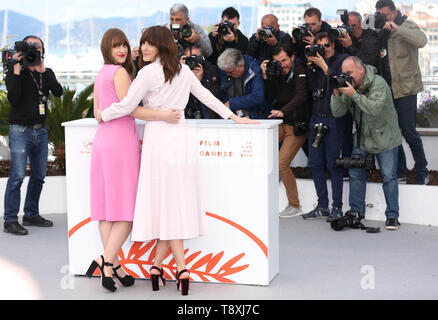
313	12
112	38
161	38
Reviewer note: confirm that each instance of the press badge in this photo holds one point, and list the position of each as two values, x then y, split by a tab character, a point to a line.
42	109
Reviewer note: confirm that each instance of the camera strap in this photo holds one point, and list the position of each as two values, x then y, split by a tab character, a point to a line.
368	229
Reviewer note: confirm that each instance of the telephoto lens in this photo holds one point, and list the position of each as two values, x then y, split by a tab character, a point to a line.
273	68
321	130
313	50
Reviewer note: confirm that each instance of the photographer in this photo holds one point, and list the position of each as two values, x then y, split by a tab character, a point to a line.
368	98
361	43
227	35
187	33
241	84
400	40
327	133
207	74
266	38
286	92
28	83
305	34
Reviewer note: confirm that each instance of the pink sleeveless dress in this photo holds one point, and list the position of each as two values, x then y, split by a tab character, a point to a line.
115	158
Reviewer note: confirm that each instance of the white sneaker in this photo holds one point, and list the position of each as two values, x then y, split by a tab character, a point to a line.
290	212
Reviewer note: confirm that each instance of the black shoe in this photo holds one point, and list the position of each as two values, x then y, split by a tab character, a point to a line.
15	228
36	221
107	282
126	281
392	224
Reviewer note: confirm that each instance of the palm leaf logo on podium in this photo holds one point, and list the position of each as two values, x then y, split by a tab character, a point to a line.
205	266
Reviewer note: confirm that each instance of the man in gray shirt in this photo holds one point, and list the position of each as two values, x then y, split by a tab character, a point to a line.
187	33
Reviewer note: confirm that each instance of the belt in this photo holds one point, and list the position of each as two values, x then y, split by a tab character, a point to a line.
35	126
324	115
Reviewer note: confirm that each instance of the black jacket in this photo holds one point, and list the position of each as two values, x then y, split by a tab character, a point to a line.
262	51
317	80
290	97
24	98
366	47
219	45
195	109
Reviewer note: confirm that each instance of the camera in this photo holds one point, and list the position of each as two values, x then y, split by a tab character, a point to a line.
340	81
273	68
31	55
318	94
313	50
321	130
339	31
374	21
193	61
301	128
367	162
301	32
350	220
224	28
266	32
180	33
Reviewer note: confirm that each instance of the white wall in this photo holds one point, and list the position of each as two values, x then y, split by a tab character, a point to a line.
53	197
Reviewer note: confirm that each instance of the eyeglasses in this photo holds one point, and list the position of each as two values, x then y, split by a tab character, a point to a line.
327	45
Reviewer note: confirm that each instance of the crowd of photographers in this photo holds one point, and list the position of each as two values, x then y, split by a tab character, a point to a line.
346	95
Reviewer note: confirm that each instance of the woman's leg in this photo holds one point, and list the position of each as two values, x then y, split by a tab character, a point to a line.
113	238
177	247
160	253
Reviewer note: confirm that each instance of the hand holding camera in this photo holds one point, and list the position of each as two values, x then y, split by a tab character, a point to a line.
348	90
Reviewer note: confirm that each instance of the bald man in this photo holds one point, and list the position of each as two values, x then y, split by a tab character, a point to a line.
261	49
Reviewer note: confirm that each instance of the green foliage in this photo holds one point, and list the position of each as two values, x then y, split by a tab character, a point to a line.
5	109
67	108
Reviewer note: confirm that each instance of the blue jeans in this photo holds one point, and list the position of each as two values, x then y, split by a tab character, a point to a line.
324	158
388	166
25	143
406	108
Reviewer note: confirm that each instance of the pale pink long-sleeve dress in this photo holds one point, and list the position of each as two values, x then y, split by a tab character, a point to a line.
169	200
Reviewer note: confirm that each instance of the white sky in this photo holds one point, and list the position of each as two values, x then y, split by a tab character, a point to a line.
64	10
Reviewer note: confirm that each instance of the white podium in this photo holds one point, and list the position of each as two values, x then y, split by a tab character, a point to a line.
239	165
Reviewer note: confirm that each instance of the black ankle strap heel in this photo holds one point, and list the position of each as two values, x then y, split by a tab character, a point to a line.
126	281
107	282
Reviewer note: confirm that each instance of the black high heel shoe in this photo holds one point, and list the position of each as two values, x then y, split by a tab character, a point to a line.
126	281
107	282
155	278
183	282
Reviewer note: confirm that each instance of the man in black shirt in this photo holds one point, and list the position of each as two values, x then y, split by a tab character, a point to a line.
28	91
261	48
207	74
287	95
363	43
234	39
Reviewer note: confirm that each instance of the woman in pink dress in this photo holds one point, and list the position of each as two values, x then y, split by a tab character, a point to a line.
168	205
115	158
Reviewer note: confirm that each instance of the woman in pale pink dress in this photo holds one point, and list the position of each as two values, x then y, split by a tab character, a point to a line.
168	205
115	158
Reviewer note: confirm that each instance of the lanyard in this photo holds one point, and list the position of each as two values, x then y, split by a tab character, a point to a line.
43	99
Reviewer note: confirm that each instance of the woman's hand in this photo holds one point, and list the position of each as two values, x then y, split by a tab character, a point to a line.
171	115
240	120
